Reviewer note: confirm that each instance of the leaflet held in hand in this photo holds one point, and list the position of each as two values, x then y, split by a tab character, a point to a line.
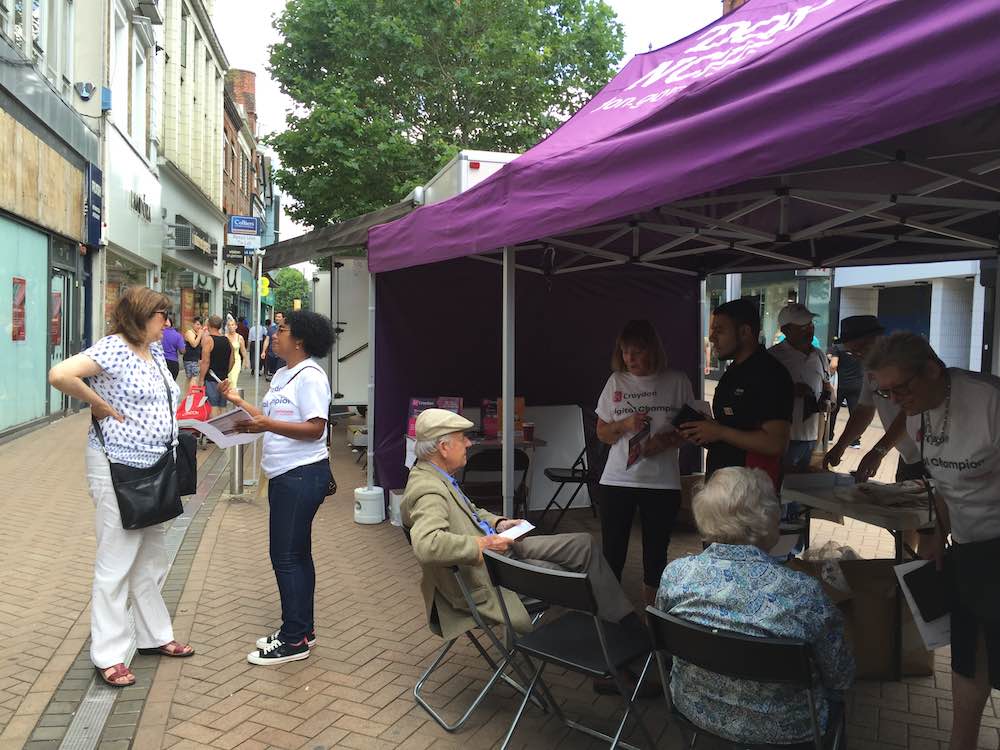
222	429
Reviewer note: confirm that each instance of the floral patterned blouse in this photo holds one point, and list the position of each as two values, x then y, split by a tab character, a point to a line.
741	589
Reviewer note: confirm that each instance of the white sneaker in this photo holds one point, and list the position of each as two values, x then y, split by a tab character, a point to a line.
278	652
265	640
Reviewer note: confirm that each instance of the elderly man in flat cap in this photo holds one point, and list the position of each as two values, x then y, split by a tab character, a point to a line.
446	528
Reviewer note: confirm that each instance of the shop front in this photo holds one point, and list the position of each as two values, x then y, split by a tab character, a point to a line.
121	271
190	293
773	290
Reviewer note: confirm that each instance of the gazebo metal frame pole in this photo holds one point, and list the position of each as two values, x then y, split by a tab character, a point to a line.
507	387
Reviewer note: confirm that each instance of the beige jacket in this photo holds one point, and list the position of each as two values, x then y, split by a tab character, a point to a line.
443	533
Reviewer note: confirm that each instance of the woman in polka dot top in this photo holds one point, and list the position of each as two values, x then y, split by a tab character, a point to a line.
124	378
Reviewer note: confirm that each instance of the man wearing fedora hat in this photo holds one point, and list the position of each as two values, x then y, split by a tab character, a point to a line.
447	529
858	334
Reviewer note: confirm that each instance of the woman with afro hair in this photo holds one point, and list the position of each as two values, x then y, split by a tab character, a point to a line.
295	459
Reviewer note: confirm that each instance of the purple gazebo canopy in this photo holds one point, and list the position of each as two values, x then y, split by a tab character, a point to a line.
785	134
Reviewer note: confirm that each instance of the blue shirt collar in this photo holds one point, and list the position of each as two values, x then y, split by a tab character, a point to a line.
737	552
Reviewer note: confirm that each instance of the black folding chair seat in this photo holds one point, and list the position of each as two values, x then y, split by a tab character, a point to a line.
567	475
752	658
536	609
585	472
578	641
571	642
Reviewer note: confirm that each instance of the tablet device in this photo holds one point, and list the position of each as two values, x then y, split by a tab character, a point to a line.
687	414
932	590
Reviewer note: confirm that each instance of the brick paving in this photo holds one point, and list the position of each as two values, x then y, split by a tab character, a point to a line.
354	692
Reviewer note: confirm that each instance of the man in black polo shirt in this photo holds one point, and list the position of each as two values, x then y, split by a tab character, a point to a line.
753	400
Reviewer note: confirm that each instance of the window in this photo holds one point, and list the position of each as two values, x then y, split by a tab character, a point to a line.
232	160
5	17
59	46
137	124
225	167
184	36
19	24
37	41
119	71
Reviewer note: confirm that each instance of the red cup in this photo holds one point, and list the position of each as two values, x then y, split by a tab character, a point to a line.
528	430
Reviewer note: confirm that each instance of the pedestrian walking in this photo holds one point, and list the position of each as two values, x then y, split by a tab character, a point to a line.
295	459
192	349
240	359
216	361
173	345
272	361
255	343
133	400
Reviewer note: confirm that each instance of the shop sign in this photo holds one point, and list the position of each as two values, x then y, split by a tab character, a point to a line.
139	205
202	282
245	241
246	283
201	243
231	279
243	225
95	205
232	254
18	330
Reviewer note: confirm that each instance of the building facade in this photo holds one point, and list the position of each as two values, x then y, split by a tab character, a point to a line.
190	160
50	159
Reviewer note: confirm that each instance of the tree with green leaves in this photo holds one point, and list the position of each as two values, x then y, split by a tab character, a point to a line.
289	285
388	90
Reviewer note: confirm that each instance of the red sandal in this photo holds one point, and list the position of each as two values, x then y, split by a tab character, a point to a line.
175	649
112	674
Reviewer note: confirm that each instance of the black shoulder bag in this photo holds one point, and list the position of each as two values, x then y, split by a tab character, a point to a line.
152	495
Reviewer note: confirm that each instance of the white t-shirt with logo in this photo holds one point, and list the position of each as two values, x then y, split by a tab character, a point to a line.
887	411
661	395
297	394
966	468
810	369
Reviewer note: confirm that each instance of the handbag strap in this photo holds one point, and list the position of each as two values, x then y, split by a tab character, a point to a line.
170	406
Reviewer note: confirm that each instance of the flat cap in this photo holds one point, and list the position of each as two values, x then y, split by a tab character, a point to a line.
435	423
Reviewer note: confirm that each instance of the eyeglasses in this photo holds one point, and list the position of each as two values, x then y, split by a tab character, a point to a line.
164	313
897	390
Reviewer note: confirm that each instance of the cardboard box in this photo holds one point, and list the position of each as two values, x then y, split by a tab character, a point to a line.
869	619
691	484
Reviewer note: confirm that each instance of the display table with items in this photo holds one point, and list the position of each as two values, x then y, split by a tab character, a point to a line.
875	605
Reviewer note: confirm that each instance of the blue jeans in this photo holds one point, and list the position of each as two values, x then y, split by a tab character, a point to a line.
212	392
294	498
798	454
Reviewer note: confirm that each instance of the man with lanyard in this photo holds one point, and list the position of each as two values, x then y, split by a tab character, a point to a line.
753	399
807	367
447	529
858	334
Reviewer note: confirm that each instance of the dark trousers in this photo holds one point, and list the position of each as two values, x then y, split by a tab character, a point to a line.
845	397
174	366
254	354
294	498
657	511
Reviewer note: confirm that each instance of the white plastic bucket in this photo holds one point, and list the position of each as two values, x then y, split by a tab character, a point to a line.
369	505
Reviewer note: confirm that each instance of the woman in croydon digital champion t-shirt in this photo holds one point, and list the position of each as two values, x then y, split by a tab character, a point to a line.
634	417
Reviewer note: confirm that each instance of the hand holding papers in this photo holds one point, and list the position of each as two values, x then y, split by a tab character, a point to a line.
222	429
520	530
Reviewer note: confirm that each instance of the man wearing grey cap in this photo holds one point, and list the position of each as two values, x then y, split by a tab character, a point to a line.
807	367
446	529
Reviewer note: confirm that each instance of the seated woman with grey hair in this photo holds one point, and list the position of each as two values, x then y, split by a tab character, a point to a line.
734	585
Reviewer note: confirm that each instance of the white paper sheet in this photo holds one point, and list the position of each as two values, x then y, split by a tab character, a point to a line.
786	543
518	531
221	430
937	633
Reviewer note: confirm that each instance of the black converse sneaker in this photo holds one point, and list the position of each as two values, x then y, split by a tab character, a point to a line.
264	640
278	652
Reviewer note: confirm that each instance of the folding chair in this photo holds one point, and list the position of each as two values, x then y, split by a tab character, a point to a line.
578	640
773	660
585	471
489	492
535	609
